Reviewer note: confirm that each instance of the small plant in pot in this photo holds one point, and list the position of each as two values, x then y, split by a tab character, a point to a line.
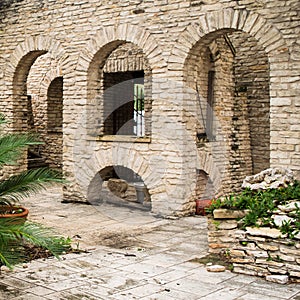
15	231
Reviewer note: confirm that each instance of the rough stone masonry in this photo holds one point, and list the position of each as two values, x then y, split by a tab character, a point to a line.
189	96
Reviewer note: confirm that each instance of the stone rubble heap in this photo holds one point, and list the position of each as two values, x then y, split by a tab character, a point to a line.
264	251
272	178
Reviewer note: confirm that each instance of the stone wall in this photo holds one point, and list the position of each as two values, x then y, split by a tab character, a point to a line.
264	252
253	44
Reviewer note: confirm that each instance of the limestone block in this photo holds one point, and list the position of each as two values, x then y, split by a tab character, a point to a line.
226	239
264	231
279	220
240	234
244	260
237	268
293	267
295	274
292	205
250	269
117	186
268	262
223	213
288	258
215	268
281	271
258	253
267	247
218	246
228	225
237	253
290	250
282	279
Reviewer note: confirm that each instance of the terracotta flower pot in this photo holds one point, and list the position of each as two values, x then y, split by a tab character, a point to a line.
19	213
201	205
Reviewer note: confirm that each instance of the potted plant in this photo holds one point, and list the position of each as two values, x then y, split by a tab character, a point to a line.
14	231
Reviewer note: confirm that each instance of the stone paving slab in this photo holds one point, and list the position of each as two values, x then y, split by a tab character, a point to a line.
82	276
151	260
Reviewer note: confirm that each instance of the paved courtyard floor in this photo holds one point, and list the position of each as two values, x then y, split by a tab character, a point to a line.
130	254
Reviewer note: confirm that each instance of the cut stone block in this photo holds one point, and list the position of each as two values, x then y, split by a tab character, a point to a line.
282	279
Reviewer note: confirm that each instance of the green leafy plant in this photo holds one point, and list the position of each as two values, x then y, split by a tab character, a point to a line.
15	238
261	205
15	234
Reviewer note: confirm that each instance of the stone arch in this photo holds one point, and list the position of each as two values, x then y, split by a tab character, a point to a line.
33	44
108	38
89	159
118	155
203	33
20	62
267	35
42	73
94	55
118	185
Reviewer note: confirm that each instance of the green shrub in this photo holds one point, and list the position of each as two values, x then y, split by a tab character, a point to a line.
261	205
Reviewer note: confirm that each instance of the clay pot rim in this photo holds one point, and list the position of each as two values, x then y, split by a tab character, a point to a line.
22	214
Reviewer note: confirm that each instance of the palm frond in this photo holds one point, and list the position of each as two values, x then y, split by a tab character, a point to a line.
20	186
2	119
13	237
11	250
45	237
12	146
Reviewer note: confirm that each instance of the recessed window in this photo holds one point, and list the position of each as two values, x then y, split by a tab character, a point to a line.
124	110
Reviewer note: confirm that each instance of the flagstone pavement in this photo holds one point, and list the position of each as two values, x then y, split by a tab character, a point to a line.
129	254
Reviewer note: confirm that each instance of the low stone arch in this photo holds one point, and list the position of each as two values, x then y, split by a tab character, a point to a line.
131	158
214	170
119	185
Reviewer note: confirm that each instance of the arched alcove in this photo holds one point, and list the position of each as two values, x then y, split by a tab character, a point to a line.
227	73
119	91
119	186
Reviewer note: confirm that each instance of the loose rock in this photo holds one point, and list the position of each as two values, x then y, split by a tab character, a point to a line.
215	268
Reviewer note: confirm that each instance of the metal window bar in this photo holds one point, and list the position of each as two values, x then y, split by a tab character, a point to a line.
210	105
139	112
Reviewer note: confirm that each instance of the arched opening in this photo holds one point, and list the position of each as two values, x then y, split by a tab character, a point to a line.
228	73
54	139
119	91
121	186
55	105
45	90
204	186
23	116
20	105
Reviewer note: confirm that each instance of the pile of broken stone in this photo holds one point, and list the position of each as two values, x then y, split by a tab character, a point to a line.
262	243
275	178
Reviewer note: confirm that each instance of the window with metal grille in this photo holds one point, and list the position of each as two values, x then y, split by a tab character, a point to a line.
124	103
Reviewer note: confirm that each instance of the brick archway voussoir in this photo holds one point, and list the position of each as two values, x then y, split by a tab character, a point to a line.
30	44
266	34
123	33
49	77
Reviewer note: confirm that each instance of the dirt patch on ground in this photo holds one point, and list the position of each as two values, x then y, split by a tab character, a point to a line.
215	259
121	239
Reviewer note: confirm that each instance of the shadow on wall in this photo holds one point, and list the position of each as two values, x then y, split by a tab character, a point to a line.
120	186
